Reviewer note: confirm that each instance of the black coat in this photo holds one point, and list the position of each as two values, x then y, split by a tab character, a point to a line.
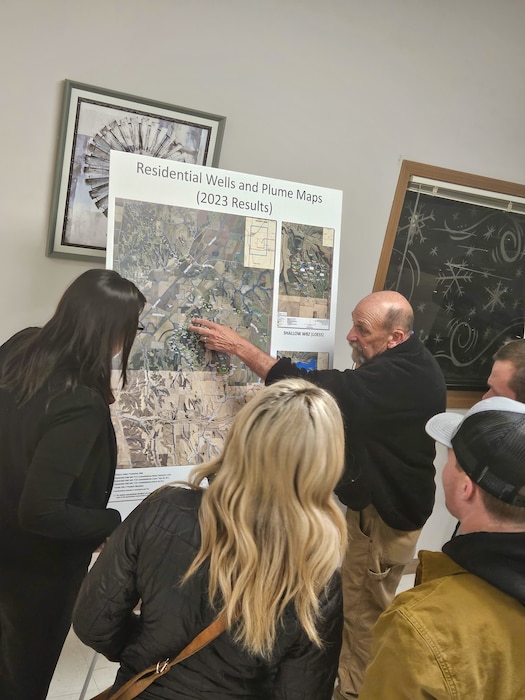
144	560
385	403
57	463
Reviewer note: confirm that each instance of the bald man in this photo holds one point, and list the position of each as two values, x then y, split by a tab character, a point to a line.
388	483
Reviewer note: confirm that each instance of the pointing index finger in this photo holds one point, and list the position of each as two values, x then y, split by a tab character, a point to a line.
205	323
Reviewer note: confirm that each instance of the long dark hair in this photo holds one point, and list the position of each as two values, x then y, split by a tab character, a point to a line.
96	317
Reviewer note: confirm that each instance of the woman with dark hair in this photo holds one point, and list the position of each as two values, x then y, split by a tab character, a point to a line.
57	464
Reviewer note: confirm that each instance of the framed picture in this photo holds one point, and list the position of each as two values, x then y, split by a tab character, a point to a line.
455	247
94	121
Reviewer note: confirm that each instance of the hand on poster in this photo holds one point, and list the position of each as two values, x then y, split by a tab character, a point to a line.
216	337
225	340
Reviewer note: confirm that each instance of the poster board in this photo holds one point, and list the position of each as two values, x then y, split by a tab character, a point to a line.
257	254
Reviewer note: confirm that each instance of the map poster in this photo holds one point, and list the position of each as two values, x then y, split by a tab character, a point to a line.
257	254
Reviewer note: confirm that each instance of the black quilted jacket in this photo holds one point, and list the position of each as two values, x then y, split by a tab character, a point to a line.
144	560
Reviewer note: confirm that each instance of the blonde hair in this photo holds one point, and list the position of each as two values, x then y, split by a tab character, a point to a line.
271	530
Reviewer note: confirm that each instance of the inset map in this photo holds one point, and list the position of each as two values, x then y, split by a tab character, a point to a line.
307	360
305	279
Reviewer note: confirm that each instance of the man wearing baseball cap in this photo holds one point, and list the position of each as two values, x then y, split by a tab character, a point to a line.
460	632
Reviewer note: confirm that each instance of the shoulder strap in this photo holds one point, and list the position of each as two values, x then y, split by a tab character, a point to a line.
145	678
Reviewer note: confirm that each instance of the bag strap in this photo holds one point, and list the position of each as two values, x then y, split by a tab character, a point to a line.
145	678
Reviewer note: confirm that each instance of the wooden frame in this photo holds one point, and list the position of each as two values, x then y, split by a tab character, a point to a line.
476	262
95	121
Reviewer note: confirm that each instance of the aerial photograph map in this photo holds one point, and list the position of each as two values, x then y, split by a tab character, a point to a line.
305	279
180	399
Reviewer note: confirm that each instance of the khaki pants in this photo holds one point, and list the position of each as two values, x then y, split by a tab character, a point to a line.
372	568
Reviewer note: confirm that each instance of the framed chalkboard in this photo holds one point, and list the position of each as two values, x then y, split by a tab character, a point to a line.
455	247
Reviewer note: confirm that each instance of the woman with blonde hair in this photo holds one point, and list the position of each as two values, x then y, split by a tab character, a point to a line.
262	545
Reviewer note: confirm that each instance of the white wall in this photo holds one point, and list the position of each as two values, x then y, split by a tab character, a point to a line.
333	93
440	526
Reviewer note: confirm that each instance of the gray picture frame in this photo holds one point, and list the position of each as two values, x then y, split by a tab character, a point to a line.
96	120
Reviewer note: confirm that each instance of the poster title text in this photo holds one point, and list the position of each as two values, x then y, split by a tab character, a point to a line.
226	182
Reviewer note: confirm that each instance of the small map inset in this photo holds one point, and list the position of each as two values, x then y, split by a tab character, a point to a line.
307	360
305	280
259	243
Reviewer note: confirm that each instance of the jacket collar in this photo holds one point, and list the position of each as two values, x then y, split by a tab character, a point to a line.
433	565
496	557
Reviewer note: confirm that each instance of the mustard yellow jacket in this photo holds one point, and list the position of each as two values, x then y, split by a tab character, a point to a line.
452	636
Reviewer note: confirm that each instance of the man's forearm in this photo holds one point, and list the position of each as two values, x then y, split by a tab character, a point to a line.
254	358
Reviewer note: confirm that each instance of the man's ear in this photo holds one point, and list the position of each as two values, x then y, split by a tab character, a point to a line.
396	337
468	487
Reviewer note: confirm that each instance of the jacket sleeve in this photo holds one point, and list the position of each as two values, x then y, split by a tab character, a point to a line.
406	663
103	617
307	672
62	456
345	385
